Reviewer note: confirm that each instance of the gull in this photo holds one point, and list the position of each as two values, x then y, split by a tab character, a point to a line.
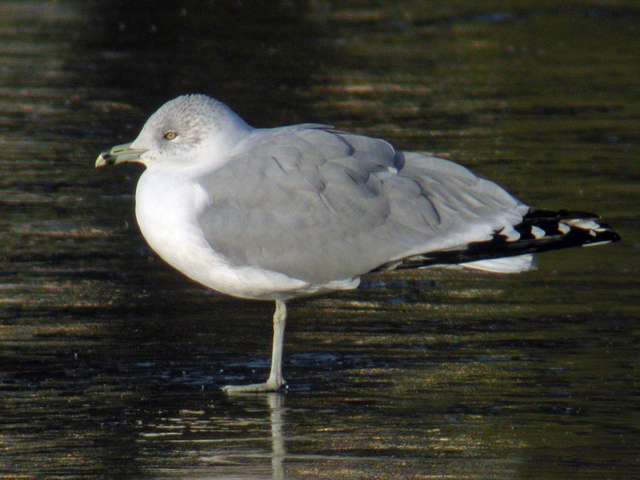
282	213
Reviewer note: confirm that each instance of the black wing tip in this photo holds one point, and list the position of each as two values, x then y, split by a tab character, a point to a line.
553	222
540	231
607	236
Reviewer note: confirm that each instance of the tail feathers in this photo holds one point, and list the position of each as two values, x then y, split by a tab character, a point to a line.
507	252
519	263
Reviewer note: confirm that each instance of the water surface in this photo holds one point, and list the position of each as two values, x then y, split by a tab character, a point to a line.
111	362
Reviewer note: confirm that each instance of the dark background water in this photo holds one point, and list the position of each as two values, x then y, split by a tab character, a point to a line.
110	361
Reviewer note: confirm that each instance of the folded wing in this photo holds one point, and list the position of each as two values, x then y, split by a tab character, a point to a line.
321	205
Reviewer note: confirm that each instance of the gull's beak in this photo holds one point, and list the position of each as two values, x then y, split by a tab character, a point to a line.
119	154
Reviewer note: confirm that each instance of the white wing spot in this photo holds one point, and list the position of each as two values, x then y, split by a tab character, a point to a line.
586	225
511	234
537	232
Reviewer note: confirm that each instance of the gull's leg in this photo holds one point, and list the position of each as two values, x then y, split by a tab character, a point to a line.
275	381
279	323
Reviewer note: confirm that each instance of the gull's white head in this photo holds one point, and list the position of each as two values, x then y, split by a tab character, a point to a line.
190	130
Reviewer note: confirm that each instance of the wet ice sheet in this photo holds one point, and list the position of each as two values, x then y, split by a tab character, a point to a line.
111	362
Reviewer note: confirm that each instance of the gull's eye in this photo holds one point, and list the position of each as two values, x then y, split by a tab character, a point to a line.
170	135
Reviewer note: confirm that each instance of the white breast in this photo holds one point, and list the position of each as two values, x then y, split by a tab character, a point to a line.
167	206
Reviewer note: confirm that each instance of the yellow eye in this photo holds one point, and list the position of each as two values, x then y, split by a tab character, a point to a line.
170	135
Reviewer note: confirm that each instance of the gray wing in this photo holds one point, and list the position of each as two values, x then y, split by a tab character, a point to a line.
321	205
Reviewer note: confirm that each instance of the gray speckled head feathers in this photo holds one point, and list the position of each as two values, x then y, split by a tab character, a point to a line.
190	124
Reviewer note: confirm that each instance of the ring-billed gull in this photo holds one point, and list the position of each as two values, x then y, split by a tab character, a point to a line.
276	214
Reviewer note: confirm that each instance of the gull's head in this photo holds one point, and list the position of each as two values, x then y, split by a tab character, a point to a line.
190	130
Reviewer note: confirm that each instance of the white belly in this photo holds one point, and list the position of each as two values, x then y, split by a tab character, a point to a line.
167	206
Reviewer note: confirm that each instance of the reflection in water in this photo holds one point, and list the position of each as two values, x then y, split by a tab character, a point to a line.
242	439
110	362
276	405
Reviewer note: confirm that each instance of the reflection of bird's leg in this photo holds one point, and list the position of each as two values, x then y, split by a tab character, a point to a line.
275	381
275	401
